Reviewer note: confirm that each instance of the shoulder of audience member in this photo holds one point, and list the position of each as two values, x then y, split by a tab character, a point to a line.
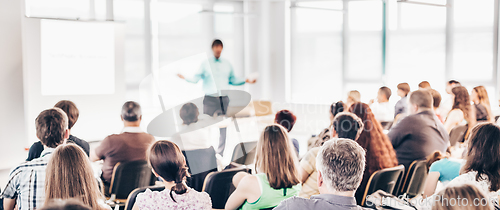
296	202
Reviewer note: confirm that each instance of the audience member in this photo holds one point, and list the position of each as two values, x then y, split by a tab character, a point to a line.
382	109
317	140
26	182
436	98
341	163
131	145
462	112
424	85
379	151
277	176
70	175
71	204
353	97
169	164
344	125
191	135
420	134
447	102
482	104
287	119
462	197
72	112
442	168
401	107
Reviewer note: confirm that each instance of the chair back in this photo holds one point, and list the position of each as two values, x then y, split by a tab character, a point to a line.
133	195
200	163
385	179
457	134
128	176
244	153
219	185
386	125
413	184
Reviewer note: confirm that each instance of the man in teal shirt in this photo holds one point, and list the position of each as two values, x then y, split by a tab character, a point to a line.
217	74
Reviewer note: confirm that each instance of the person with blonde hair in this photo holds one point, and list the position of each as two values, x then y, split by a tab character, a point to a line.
277	174
69	175
481	101
353	97
462	197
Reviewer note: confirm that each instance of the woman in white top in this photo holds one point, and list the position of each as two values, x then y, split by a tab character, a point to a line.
193	134
461	112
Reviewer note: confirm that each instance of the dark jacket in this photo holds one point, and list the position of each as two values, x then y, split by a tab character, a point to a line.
37	148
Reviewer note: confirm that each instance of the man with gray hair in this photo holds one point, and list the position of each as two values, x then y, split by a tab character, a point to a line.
131	145
340	164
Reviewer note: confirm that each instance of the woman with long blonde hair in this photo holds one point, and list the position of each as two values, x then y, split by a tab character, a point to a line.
277	174
69	175
481	101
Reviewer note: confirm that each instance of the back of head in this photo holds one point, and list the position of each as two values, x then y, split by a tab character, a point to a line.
71	111
483	149
286	119
276	158
435	156
436	97
70	175
51	125
405	87
462	101
364	112
341	163
453	82
461	197
189	113
482	94
169	163
71	204
347	125
131	111
354	95
337	107
386	91
422	99
424	85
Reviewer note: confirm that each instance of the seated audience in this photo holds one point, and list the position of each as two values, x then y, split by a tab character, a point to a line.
51	130
401	107
482	162
442	168
169	164
482	104
72	112
418	135
447	102
70	175
287	119
462	197
341	163
318	140
344	125
277	176
461	112
436	98
191	136
353	97
379	151
424	85
382	109
131	145
71	204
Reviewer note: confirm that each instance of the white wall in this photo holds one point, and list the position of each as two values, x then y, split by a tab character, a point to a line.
12	131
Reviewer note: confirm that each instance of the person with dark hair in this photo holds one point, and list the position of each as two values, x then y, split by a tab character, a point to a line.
318	140
461	112
401	107
419	134
287	119
191	136
344	125
169	164
336	108
217	74
447	101
130	145
424	85
70	204
25	188
72	112
382	109
379	151
436	101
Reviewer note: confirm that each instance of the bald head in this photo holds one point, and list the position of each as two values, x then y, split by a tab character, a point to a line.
420	100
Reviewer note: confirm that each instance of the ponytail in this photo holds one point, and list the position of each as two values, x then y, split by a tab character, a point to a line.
180	187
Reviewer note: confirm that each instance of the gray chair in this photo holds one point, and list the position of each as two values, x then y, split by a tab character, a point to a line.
457	134
128	176
414	182
385	179
200	163
244	153
219	185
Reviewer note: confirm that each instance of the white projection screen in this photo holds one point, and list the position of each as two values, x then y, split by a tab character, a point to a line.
83	50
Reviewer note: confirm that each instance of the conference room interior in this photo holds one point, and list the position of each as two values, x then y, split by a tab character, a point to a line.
303	54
